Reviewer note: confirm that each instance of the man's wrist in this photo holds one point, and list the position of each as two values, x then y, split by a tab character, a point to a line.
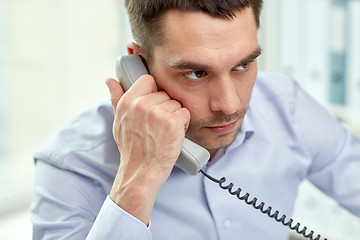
135	196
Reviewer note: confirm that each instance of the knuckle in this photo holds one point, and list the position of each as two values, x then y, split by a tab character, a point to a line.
124	103
159	117
164	94
140	105
171	123
176	103
147	81
185	112
155	115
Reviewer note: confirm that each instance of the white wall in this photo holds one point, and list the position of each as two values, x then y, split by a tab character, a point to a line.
55	57
298	38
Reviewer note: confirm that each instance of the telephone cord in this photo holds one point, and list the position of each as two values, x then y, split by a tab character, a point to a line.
267	211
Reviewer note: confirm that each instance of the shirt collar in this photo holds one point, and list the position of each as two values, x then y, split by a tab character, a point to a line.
246	131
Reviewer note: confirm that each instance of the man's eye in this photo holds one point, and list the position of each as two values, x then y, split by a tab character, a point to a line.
195	75
242	67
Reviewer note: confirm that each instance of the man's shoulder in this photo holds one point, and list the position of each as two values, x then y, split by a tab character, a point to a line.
86	137
274	98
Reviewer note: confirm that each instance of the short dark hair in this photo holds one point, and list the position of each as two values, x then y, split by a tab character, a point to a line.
145	15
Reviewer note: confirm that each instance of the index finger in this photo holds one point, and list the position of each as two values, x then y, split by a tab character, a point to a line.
144	85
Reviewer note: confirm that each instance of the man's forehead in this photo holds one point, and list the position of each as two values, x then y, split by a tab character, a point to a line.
199	36
174	18
204	29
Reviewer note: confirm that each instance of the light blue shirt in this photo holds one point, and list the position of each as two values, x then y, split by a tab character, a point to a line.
285	138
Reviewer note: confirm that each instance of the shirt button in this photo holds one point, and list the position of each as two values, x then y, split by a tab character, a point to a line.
227	223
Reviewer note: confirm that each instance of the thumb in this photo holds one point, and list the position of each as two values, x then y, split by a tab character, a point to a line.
116	91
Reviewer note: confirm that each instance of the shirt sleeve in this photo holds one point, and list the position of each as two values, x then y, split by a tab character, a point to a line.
68	205
334	151
108	222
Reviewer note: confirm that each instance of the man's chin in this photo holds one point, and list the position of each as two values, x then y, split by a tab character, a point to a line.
213	138
222	141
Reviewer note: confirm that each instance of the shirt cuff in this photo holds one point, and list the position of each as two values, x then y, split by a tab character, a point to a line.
113	222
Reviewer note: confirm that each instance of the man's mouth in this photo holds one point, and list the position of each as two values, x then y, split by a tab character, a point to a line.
223	128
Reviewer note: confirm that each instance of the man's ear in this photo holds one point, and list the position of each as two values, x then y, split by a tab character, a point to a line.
133	48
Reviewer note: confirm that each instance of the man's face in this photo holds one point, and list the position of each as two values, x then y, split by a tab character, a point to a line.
209	65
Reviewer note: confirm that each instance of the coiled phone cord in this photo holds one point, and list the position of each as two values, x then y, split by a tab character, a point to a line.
267	211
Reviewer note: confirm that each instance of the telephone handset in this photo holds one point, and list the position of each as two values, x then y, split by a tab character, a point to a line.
192	157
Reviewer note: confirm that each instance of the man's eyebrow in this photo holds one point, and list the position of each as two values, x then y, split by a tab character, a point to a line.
251	57
184	65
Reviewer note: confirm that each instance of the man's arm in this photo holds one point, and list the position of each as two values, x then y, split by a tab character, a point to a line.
149	129
334	150
65	205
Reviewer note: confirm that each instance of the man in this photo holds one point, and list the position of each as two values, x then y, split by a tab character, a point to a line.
202	59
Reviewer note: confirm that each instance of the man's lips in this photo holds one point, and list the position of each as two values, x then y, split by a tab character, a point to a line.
223	128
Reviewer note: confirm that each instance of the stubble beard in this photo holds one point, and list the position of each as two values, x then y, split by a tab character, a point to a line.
198	132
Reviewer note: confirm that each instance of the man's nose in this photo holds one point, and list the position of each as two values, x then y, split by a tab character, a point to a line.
224	96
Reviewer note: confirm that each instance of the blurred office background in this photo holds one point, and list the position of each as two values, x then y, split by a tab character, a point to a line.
55	56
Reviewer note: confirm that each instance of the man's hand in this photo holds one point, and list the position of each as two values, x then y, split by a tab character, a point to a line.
149	129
